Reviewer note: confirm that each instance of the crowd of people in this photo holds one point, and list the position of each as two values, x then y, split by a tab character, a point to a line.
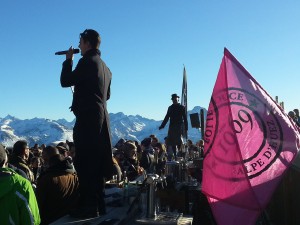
295	116
48	176
45	180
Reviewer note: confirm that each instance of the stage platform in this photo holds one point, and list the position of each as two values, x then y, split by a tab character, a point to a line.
117	213
119	216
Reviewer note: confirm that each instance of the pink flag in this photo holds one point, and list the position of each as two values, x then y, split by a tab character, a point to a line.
249	143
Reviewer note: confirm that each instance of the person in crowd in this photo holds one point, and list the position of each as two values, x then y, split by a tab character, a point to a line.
191	148
154	141
117	170
20	157
147	160
30	157
169	149
201	148
296	111
293	116
130	164
120	143
17	170
57	188
118	151
36	162
17	198
118	154
63	150
297	117
160	158
42	147
178	120
138	151
91	134
152	136
182	151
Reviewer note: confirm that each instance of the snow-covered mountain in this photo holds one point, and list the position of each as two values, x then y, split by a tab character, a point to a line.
40	130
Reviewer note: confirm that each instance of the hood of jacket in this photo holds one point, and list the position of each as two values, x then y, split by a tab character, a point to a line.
59	164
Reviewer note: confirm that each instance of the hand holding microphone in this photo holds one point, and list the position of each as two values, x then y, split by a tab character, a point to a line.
69	53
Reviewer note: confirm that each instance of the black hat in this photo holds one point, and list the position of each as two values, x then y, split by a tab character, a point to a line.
174	96
2	154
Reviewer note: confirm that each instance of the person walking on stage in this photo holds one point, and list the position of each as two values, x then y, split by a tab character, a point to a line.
176	114
91	134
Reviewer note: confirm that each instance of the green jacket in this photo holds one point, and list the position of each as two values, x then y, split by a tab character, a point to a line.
18	203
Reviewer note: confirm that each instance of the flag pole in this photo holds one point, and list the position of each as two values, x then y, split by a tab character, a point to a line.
184	101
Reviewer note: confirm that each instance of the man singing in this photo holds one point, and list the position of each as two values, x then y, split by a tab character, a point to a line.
93	161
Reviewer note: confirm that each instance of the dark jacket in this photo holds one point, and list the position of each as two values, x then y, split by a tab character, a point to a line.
91	79
147	159
176	114
57	190
131	167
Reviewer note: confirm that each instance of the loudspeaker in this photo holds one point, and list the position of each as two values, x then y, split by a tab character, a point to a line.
195	120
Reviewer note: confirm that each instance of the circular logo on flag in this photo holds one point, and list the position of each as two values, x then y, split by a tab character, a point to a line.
242	135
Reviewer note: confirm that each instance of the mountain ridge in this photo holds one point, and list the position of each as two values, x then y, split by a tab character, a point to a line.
48	131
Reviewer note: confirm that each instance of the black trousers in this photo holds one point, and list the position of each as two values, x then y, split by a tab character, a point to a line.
89	135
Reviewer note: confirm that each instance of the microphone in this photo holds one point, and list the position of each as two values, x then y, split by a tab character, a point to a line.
75	51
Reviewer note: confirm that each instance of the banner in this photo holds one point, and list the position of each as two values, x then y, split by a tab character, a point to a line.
184	101
249	143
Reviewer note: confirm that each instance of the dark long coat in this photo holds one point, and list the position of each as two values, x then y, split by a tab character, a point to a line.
91	80
176	114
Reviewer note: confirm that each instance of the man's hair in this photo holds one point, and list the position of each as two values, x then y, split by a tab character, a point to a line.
146	142
129	147
92	37
155	139
161	146
201	142
19	147
292	114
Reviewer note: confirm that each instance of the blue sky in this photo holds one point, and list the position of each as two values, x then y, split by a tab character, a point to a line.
145	43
